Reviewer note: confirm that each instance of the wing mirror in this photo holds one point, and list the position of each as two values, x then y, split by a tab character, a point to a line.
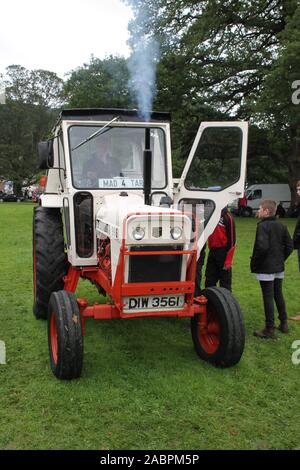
45	155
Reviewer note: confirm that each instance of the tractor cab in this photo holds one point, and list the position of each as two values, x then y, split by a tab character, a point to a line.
97	152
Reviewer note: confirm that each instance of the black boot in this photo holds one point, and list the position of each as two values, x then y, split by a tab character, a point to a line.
267	333
283	327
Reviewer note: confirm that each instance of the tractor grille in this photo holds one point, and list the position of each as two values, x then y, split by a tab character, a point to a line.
155	268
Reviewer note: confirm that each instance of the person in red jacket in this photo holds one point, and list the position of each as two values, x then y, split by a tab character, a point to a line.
221	244
242	204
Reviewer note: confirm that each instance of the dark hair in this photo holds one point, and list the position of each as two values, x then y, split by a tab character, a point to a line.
270	205
298	184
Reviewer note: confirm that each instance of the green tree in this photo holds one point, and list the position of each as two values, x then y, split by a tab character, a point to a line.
36	87
101	83
276	108
230	56
224	48
25	119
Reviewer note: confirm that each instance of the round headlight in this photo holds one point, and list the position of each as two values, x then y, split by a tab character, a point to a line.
176	232
138	233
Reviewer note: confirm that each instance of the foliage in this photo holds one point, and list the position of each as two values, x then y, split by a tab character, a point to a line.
22	126
281	117
25	119
99	84
34	87
143	387
225	47
237	57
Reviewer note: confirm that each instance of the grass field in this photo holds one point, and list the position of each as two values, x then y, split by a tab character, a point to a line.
143	386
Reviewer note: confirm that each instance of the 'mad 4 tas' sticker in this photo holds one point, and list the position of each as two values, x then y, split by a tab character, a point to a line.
111	183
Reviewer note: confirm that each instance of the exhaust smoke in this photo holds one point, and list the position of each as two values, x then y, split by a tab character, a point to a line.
142	68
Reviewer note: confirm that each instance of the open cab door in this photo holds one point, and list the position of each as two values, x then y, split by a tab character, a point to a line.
214	174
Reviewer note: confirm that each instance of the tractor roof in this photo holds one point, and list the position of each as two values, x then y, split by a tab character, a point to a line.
105	114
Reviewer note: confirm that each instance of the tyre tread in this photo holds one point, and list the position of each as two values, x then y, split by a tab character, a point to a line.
51	262
70	349
231	348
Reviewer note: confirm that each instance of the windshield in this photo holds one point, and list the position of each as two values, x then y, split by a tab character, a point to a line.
114	159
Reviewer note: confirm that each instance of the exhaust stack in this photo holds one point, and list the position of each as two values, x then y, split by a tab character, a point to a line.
147	168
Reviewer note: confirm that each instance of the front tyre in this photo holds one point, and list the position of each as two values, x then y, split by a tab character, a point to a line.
49	258
65	338
221	340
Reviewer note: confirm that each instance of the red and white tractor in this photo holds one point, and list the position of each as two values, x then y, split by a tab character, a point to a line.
112	213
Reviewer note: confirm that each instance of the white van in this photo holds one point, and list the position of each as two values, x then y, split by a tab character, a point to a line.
256	193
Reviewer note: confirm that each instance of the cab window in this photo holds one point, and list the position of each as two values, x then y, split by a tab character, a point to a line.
217	160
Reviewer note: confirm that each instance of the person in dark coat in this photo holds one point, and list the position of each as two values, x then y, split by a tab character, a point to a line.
221	244
296	236
272	247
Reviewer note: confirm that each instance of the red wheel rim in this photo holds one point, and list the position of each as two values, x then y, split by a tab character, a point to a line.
210	335
53	337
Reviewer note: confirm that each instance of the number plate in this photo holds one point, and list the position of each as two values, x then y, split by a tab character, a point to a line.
153	302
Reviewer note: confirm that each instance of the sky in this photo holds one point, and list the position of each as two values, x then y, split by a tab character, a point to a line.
61	35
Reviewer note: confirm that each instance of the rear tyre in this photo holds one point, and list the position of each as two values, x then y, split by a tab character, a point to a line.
65	338
49	258
221	342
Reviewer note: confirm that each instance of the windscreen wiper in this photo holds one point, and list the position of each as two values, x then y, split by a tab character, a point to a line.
95	134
